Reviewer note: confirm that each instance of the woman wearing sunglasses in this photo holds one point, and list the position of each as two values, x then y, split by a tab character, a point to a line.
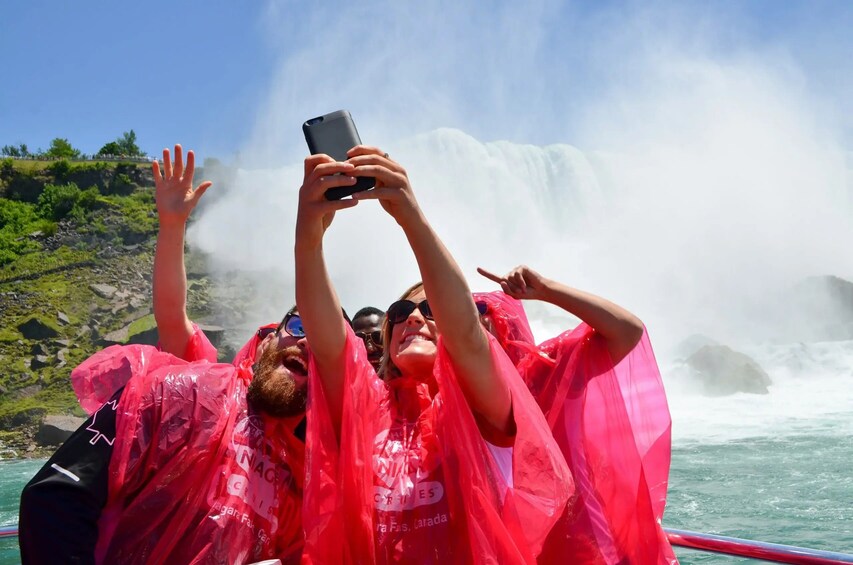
446	458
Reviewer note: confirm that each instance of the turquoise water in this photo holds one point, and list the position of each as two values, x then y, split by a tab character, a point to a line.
796	489
13	476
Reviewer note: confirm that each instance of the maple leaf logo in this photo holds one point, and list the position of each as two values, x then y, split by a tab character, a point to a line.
102	434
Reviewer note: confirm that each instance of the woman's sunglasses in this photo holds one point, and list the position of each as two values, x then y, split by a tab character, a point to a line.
400	310
291	324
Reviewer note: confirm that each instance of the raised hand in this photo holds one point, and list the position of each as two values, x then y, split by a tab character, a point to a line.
174	191
522	282
315	213
392	183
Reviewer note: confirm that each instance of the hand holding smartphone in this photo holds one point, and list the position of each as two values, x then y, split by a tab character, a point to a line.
334	134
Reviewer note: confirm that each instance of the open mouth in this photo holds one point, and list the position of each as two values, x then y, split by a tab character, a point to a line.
414	337
295	365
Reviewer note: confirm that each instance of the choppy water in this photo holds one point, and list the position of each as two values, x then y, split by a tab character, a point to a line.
796	490
13	476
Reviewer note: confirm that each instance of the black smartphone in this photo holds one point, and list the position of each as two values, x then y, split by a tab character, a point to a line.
334	134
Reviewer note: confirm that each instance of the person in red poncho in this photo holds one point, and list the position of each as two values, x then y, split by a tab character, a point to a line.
446	458
600	390
182	460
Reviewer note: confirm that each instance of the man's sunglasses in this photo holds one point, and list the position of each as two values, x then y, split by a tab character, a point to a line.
400	310
291	324
375	337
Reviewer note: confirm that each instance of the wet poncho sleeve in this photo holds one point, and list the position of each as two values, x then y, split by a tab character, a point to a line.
613	426
61	505
199	347
436	491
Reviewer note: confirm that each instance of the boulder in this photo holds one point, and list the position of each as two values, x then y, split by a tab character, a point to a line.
34	328
123	336
691	345
103	290
39	362
145	337
117	336
62	318
213	333
54	430
818	309
61	361
119	307
27	417
724	371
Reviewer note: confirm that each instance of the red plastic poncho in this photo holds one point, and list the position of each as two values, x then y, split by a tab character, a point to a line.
195	476
106	372
413	480
613	426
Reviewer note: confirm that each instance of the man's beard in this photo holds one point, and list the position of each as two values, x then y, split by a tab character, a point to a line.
277	394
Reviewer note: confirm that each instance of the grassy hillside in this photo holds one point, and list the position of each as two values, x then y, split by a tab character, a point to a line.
76	249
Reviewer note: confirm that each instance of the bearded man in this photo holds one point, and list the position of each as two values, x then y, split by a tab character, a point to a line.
188	462
182	460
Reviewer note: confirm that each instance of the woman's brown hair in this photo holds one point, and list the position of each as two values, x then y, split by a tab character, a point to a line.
387	369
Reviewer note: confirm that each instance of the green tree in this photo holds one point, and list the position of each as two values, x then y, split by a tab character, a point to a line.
128	144
124	146
19	150
60	148
112	149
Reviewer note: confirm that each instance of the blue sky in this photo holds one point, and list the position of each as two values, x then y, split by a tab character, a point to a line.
211	74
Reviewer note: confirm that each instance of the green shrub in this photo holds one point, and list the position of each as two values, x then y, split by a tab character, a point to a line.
90	199
16	215
59	169
86	167
13	246
7	167
57	200
121	183
139	217
47	227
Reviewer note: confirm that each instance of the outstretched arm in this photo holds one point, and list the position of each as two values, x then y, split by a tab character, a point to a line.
621	329
176	198
316	299
449	296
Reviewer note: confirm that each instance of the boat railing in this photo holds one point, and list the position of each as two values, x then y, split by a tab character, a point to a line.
775	552
758	550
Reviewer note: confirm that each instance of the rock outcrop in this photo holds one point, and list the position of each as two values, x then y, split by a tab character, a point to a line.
34	328
724	371
54	430
818	309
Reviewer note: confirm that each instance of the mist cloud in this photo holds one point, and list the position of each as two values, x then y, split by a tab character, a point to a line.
648	156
